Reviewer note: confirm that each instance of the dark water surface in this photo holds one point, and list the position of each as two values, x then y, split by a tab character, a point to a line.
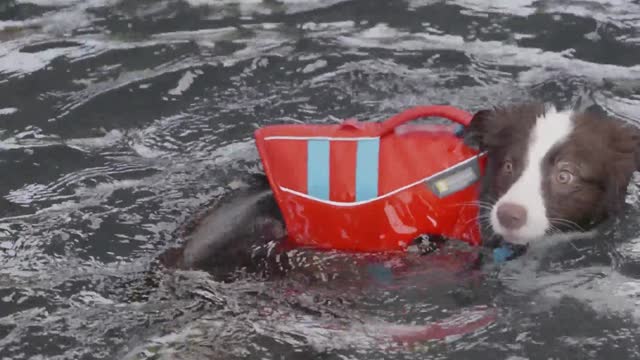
120	119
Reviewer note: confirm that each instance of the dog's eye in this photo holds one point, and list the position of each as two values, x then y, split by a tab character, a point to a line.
564	177
507	167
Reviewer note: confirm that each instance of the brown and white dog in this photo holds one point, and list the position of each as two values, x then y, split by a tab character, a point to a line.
549	173
553	172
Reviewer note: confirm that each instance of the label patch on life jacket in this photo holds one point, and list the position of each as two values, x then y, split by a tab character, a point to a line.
455	178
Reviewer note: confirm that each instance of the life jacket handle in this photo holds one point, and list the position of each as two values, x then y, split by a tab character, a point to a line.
448	112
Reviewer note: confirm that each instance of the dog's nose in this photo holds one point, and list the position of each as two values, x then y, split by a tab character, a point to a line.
511	216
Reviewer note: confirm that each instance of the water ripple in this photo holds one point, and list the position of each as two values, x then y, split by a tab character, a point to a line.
120	120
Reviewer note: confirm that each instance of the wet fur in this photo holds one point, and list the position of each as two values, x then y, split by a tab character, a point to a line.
240	233
604	149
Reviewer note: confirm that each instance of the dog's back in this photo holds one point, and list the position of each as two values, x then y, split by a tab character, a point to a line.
241	232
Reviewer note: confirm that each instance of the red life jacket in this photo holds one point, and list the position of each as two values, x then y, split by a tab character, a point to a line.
370	186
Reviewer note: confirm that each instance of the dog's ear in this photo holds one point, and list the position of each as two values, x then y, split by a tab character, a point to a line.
490	129
475	134
624	144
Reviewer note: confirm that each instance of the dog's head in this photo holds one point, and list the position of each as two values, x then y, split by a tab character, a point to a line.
553	171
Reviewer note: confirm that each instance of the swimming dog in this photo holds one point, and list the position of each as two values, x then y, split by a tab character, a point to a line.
549	173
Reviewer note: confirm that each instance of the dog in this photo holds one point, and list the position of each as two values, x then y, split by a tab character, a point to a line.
553	173
549	173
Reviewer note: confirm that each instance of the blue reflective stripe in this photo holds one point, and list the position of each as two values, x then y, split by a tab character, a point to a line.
367	158
318	169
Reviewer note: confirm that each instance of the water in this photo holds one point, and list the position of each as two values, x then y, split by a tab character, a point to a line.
121	119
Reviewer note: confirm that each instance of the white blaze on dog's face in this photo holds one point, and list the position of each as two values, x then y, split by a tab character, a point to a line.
520	213
552	171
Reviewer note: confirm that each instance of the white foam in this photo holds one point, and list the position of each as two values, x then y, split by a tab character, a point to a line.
338	25
222	2
49	2
8	111
146	152
96	89
184	83
489	52
14	62
85	144
216	34
620	12
514	7
15	24
318	64
90	298
20	62
414	4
